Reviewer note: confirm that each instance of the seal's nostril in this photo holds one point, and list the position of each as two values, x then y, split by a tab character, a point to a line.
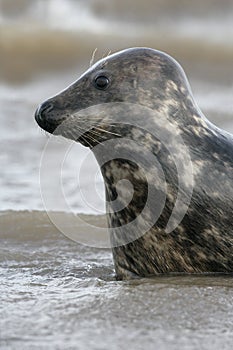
43	110
46	107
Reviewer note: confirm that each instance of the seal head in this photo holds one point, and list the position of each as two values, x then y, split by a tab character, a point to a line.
139	75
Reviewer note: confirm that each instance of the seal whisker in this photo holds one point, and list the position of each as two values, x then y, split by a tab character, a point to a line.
93	57
107	131
97	128
107	54
84	138
92	138
88	135
100	122
97	118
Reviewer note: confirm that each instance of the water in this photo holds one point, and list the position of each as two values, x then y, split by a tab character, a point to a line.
58	294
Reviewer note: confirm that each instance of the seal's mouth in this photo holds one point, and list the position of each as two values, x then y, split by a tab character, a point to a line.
61	126
86	126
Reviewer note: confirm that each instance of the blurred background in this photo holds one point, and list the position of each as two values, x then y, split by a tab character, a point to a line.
56	294
46	44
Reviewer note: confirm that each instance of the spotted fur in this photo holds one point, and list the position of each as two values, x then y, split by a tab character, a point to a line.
203	241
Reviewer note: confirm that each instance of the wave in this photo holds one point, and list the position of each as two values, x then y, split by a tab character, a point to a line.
80	13
35	225
26	52
56	34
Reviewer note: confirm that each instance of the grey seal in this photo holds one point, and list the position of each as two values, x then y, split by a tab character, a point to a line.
146	99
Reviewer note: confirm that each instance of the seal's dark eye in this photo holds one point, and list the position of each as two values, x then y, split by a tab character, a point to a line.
101	82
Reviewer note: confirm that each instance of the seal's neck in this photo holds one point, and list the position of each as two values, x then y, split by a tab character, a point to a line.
136	186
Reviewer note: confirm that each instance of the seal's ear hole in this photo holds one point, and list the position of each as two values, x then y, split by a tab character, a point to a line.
101	82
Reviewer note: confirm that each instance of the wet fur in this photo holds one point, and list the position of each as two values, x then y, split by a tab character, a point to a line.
203	241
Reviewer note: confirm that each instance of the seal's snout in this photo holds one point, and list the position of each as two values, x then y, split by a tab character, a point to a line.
42	115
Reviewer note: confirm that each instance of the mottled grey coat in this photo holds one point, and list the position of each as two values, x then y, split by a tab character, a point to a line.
143	126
